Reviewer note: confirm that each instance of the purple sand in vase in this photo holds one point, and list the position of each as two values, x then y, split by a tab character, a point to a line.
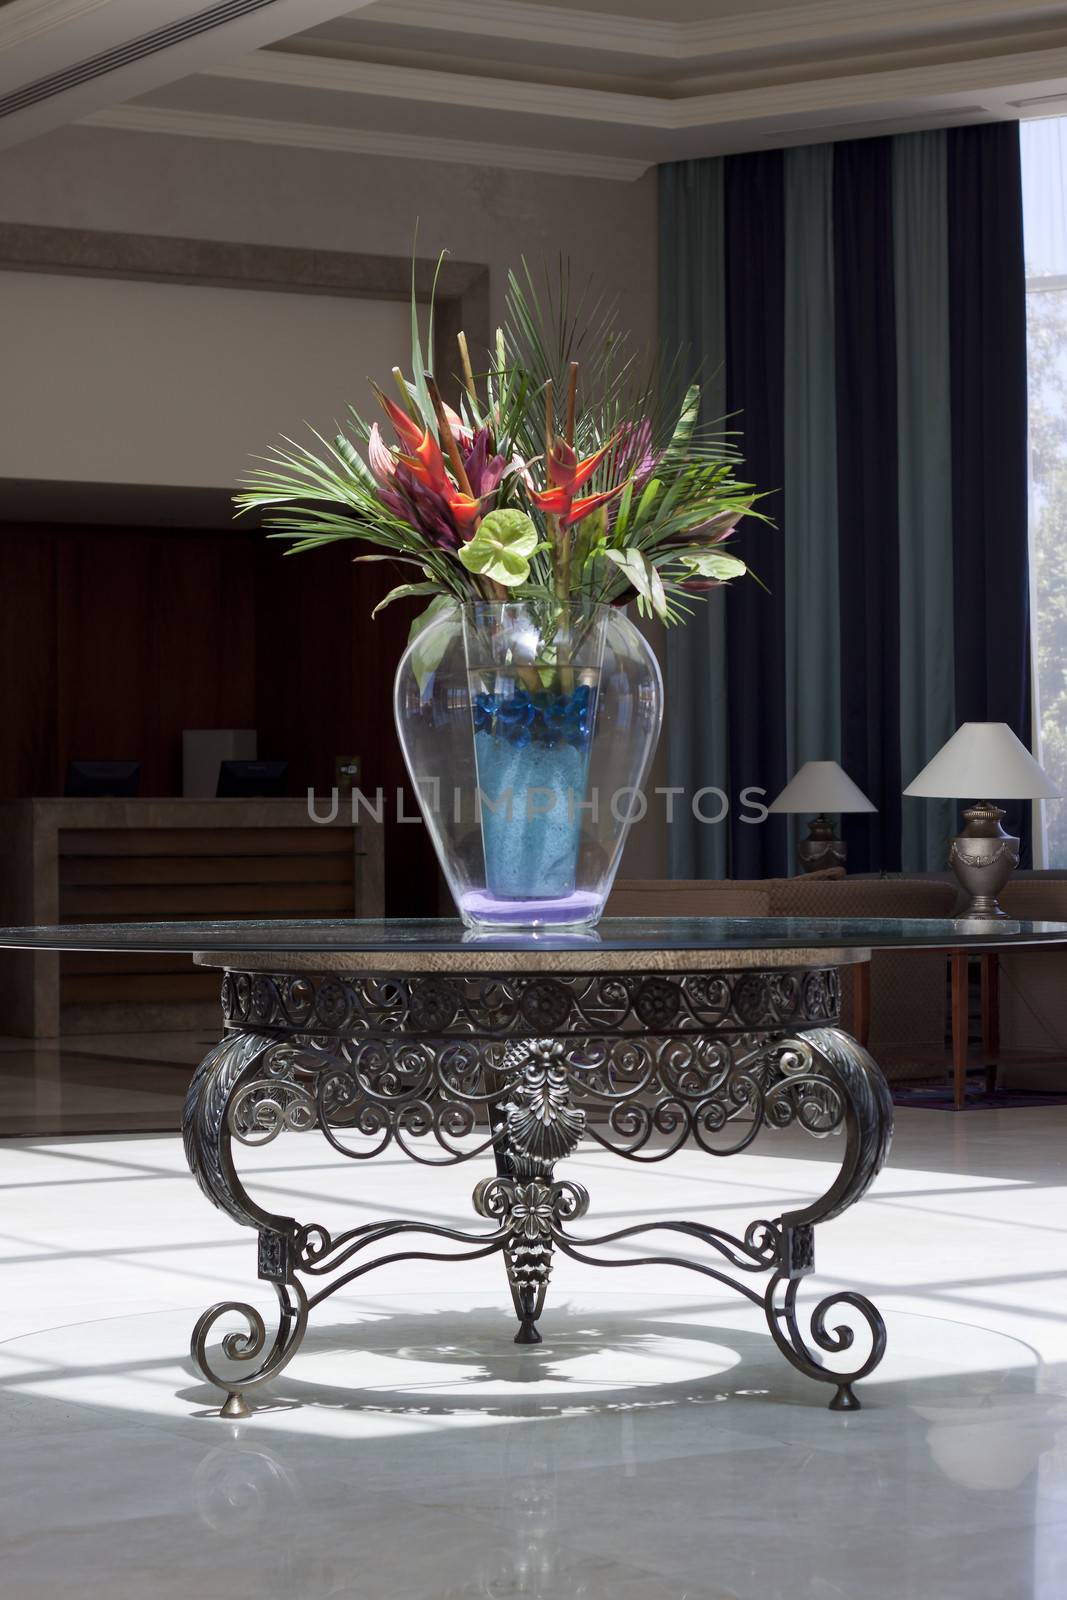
492	910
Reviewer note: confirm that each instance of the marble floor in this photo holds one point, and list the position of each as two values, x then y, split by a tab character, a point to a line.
98	1083
655	1447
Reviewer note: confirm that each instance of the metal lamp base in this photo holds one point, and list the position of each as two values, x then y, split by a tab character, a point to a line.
983	857
822	848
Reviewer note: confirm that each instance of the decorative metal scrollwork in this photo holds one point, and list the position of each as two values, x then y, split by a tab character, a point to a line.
540	1124
266	1107
518	1005
784	1323
448	1067
249	1345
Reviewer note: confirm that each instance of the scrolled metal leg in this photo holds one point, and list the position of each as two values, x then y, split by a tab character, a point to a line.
240	1346
246	1088
785	1329
826	1077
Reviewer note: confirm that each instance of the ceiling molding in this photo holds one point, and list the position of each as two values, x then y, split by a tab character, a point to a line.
512	19
750	29
24	20
178	31
364	141
302	70
907	85
61	59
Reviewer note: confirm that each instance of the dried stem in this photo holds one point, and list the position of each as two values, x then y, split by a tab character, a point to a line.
497	591
405	395
572	400
447	437
468	372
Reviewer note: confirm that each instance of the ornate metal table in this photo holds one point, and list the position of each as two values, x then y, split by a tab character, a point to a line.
642	1037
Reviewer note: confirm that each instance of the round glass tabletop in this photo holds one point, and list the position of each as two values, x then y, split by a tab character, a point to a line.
444	935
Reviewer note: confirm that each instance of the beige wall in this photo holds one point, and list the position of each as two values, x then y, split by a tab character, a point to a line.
155	183
108	381
191	188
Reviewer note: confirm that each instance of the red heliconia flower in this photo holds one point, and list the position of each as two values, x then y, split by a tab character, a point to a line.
414	483
567	473
427	463
408	430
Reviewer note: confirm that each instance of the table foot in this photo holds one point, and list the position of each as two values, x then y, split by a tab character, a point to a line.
528	1334
802	1351
236	1406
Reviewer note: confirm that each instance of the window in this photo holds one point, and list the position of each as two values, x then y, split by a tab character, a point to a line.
1044	163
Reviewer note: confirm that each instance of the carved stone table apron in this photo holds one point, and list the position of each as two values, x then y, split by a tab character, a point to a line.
518	1056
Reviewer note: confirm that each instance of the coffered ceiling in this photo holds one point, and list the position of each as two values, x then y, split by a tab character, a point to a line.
604	88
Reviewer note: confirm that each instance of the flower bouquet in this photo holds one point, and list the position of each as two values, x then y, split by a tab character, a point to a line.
557	491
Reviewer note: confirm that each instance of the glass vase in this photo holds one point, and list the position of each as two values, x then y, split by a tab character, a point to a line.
528	729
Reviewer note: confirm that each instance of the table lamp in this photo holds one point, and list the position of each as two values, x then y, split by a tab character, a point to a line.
822	787
983	758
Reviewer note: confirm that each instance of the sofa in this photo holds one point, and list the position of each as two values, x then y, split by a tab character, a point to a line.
907	1018
1033	991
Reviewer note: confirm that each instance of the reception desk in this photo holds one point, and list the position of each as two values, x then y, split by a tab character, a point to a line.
142	860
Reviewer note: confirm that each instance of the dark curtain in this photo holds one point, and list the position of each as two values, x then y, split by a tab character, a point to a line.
868	562
754	227
987	343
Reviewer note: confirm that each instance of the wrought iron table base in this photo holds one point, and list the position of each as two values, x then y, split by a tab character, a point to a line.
424	1061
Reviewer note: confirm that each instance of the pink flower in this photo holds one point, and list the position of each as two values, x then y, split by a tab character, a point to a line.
380	457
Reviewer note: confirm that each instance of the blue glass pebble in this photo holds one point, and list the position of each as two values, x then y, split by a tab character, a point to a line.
544	719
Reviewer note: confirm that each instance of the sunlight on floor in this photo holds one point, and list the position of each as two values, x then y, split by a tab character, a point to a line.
657	1444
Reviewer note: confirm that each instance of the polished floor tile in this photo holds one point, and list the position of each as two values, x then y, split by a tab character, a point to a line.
97	1083
656	1445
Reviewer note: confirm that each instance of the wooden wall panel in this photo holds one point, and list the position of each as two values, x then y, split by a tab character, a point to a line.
116	639
28	755
106	704
324	680
204	637
155	632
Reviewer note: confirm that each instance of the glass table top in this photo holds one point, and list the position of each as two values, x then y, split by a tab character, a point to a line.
614	933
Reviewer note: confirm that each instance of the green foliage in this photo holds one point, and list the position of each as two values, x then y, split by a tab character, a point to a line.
670	494
434	641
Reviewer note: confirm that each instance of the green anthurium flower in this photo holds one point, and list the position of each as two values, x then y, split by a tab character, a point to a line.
715	564
501	548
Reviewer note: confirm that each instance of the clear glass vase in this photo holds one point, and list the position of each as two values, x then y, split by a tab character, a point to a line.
528	729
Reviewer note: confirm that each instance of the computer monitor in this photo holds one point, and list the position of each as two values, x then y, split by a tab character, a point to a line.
117	779
262	780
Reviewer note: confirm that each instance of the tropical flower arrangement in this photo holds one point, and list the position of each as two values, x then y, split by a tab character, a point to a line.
563	477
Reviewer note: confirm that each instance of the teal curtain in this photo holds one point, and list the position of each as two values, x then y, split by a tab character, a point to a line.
924	482
692	297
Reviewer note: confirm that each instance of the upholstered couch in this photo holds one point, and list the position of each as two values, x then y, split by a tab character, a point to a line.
908	990
1033	990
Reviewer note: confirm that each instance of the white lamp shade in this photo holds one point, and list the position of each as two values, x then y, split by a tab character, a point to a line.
821	786
983	761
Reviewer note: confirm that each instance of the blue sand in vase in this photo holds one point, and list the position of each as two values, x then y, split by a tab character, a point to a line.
535	747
